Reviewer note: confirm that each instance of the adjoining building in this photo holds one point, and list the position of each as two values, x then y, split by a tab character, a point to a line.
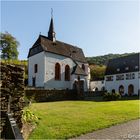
123	75
53	64
97	85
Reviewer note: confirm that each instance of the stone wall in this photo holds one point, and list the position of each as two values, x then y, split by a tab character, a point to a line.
12	94
42	95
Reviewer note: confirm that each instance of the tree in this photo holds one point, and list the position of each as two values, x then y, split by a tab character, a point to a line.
97	72
8	46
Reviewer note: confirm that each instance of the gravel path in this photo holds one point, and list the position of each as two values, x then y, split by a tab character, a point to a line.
129	130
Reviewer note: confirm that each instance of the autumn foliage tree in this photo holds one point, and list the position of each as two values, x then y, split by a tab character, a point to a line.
8	46
97	72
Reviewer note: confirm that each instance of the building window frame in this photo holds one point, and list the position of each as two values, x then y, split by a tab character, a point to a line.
67	73
83	67
109	78
119	77
35	68
57	71
118	69
126	68
136	67
130	76
130	89
121	90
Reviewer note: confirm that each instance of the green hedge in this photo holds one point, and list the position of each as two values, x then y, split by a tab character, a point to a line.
111	96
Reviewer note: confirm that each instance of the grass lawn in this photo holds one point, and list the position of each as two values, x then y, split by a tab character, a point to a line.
67	119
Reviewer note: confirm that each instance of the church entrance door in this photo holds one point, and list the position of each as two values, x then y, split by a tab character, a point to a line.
79	85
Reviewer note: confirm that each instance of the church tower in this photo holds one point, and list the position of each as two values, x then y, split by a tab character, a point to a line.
51	32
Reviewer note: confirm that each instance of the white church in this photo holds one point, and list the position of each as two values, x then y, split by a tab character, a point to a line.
53	64
123	75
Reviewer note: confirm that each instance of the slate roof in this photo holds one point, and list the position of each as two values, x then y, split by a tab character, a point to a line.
78	70
124	64
43	43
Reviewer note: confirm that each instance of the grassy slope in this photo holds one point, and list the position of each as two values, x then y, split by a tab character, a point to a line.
72	118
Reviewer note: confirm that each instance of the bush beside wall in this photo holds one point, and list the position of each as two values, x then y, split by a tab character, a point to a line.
111	96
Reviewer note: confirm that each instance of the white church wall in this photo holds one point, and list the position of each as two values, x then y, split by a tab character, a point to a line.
46	71
39	60
109	85
50	61
88	78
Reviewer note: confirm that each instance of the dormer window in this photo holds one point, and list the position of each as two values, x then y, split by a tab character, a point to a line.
136	67
118	69
127	68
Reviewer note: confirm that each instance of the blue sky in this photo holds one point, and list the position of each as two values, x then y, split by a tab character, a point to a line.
98	27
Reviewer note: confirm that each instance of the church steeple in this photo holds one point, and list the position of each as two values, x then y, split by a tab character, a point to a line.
51	32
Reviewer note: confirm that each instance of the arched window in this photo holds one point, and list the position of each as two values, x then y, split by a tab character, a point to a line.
83	67
67	73
35	68
121	89
57	71
130	90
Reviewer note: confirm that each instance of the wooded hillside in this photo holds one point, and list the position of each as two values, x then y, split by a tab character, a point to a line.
98	65
102	60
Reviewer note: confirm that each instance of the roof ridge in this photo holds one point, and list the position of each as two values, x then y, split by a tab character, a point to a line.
60	48
60	42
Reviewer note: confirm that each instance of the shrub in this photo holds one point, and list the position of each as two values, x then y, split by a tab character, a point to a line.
29	117
30	122
111	96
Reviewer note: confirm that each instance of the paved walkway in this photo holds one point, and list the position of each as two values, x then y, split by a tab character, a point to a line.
129	130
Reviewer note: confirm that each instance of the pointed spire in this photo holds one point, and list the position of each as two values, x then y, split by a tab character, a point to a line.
51	33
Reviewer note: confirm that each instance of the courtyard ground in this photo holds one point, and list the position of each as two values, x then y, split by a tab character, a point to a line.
129	130
68	119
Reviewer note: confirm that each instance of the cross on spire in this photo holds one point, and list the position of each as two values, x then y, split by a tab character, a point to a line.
51	12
